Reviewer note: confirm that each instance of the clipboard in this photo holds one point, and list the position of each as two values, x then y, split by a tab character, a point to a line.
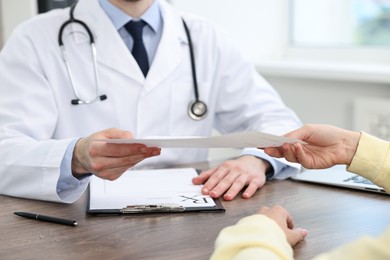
150	191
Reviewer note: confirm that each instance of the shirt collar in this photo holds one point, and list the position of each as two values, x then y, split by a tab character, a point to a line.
152	16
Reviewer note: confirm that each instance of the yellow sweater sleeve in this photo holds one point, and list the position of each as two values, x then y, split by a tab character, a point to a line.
362	249
372	160
259	237
253	237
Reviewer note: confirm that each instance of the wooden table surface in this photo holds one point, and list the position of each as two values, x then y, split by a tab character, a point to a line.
332	216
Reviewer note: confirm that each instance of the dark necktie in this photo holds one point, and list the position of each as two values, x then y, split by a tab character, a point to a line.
139	52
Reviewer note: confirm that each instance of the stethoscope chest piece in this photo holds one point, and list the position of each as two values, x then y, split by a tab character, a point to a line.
197	110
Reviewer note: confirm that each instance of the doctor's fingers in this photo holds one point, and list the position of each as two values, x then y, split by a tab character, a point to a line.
204	178
112	173
118	150
225	179
101	164
233	183
253	186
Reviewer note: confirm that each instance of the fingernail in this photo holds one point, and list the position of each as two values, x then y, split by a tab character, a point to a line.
155	153
227	196
213	194
205	191
143	150
304	232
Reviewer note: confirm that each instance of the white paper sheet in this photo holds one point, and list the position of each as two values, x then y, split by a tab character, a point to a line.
148	187
238	140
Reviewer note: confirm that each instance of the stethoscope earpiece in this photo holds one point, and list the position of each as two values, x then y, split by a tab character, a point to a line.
75	101
78	101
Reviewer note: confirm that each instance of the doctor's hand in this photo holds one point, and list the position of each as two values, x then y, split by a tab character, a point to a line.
229	178
108	160
285	222
325	146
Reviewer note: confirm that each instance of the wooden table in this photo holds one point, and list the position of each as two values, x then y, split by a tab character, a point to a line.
333	216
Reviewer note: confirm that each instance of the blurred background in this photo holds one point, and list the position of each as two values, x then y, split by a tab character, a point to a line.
328	59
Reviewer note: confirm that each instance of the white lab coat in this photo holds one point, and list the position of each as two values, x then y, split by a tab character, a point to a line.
38	120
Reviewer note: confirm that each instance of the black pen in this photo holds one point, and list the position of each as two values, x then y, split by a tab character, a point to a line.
47	218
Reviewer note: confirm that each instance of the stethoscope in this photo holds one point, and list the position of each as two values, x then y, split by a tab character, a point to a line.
197	109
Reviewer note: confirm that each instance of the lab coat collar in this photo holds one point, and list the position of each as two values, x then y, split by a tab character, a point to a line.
113	52
170	51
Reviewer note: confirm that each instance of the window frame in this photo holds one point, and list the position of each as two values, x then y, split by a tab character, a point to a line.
363	54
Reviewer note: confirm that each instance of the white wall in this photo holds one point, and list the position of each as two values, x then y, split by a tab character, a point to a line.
257	26
326	101
1	27
12	12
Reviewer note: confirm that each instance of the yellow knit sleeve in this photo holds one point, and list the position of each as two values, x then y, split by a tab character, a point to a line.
364	248
372	160
253	237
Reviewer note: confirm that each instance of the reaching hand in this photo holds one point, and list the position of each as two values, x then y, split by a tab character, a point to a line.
325	146
285	221
108	160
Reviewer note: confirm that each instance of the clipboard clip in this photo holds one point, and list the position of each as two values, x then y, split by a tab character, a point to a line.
152	208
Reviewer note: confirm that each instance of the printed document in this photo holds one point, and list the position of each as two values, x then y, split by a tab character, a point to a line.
149	187
237	140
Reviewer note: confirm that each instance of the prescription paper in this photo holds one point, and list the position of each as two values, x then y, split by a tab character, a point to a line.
237	140
149	187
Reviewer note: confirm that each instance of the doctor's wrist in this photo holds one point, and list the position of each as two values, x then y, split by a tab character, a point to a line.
78	169
269	170
264	166
80	176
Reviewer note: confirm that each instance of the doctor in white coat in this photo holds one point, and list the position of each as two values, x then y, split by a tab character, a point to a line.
45	147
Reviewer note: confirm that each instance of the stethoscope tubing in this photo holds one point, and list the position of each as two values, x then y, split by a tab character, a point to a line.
197	109
79	100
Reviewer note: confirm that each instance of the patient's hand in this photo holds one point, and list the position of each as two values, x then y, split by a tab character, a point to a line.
285	221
